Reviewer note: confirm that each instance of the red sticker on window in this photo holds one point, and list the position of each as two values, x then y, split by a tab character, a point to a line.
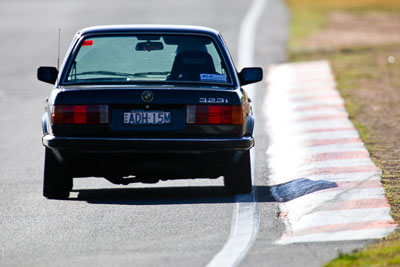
87	43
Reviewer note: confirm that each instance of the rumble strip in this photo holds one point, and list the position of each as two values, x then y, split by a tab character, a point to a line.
328	187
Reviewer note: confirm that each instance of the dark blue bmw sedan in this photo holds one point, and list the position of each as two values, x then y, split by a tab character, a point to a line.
141	103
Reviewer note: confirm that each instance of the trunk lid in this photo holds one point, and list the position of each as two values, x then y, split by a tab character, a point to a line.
147	111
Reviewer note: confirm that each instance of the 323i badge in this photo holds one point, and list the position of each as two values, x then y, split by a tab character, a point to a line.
166	102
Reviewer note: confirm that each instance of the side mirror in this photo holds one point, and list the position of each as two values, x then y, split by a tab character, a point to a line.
47	74
250	75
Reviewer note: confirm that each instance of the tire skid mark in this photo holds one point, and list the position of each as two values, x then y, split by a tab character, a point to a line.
328	187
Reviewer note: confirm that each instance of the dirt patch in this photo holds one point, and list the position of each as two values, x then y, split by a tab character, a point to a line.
346	29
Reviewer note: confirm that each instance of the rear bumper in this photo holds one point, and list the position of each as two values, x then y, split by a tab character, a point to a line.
166	158
148	144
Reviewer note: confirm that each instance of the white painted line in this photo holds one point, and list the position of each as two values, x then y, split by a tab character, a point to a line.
245	221
247	34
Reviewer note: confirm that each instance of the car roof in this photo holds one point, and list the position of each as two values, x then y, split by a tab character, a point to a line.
148	28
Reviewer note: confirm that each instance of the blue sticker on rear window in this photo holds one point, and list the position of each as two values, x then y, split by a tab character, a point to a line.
213	78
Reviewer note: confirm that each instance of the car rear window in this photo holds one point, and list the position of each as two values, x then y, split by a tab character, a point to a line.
148	58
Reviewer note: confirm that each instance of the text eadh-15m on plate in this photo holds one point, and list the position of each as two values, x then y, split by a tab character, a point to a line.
147	117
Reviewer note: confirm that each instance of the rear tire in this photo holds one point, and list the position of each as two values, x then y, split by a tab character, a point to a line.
56	182
237	180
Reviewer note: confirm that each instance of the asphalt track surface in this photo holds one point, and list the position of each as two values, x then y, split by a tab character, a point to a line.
179	223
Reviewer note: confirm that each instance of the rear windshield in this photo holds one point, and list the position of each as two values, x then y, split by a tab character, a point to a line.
148	58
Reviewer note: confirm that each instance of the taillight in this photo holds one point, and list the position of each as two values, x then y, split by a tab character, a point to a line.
214	114
80	114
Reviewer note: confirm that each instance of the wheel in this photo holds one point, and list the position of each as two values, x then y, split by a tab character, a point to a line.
56	182
237	180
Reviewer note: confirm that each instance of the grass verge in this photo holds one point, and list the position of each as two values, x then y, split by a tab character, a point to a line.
309	16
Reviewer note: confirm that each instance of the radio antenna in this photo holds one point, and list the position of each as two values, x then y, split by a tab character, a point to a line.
58	53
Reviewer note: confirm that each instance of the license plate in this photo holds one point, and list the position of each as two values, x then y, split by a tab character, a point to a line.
147	117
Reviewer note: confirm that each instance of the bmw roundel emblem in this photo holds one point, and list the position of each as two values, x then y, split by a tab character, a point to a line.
147	96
